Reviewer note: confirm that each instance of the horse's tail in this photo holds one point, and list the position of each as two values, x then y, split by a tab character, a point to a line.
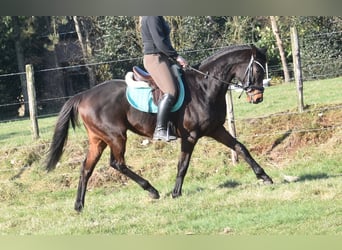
67	115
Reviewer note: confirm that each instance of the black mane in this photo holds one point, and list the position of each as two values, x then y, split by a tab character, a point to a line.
224	51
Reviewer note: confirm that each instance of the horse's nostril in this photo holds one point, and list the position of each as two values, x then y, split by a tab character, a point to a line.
258	100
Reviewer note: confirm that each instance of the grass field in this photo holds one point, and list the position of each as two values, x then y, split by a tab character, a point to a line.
301	152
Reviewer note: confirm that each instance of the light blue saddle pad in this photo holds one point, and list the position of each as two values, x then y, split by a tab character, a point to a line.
141	97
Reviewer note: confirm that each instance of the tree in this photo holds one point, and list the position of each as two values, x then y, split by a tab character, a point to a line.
17	37
51	25
280	47
9	85
197	35
86	48
120	41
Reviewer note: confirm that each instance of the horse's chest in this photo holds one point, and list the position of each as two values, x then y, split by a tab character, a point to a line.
207	115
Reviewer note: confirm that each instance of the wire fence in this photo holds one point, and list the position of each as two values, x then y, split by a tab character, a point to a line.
14	106
50	105
71	79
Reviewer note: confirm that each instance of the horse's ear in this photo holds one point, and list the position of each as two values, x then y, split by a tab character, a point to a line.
263	50
253	47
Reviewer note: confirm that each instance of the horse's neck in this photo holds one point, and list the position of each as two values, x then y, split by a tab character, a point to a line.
206	89
220	66
219	72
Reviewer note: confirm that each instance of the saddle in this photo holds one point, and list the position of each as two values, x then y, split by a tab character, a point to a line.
143	93
141	75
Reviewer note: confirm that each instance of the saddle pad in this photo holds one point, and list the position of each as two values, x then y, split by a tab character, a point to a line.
141	98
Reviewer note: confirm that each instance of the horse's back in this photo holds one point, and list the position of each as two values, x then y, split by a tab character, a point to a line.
103	99
105	92
107	88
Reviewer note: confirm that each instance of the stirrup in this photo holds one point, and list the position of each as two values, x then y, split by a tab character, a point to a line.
164	135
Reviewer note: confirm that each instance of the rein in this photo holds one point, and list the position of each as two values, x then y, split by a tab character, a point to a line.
248	74
207	75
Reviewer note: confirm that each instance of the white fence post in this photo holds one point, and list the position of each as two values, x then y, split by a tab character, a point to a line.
297	67
231	122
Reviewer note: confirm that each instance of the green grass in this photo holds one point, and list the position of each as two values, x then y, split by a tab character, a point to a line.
206	208
218	198
283	98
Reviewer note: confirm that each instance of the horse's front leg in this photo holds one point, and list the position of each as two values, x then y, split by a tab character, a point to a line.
223	136
183	164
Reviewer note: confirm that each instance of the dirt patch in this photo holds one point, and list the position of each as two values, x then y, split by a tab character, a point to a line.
280	136
105	176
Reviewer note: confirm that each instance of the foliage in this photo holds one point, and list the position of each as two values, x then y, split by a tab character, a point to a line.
13	30
119	41
322	55
196	36
267	40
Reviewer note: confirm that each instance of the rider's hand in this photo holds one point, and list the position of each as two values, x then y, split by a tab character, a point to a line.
182	61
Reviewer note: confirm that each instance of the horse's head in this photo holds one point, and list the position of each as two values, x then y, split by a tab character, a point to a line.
252	75
245	63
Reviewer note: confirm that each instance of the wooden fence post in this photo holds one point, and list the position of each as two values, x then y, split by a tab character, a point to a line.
297	67
231	122
31	91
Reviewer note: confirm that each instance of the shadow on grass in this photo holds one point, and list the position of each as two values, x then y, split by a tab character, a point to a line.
229	184
11	135
312	177
280	140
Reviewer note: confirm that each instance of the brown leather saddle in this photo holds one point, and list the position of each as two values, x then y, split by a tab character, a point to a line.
141	75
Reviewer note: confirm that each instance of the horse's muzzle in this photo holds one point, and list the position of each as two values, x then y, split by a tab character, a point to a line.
255	95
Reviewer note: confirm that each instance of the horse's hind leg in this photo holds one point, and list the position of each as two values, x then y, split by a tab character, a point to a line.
222	135
96	147
117	161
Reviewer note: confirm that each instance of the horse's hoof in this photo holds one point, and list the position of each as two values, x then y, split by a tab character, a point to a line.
78	207
176	195
154	194
265	179
268	182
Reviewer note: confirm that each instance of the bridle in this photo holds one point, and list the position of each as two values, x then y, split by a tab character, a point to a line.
252	90
248	76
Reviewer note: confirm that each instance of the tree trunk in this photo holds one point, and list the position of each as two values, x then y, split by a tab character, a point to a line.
280	47
56	85
84	44
20	59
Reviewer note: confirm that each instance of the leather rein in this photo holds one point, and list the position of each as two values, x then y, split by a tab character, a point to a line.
248	75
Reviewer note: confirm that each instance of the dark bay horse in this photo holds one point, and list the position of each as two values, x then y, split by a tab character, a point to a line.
107	115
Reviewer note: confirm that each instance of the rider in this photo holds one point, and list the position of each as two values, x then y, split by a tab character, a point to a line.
158	51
